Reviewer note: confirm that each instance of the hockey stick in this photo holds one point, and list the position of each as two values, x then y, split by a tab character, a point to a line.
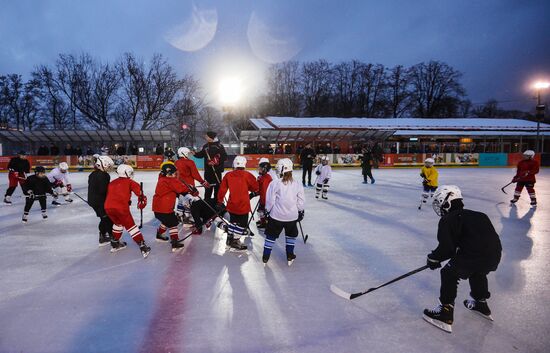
502	188
206	203
341	293
77	195
302	231
421	201
141	210
251	218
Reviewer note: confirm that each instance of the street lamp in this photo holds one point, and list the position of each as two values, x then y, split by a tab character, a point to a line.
540	108
230	92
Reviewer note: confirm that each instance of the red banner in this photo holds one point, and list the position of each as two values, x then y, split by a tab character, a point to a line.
149	162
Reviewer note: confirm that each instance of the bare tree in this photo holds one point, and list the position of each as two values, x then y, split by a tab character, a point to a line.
346	85
315	79
437	90
487	110
132	92
370	88
55	107
283	85
399	91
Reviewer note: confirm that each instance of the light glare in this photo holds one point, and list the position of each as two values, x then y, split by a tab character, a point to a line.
542	85
230	90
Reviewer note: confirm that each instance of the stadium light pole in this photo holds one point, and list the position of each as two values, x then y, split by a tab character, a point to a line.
539	86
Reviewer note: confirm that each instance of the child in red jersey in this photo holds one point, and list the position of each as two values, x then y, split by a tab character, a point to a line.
187	173
239	182
168	188
525	176
117	207
264	179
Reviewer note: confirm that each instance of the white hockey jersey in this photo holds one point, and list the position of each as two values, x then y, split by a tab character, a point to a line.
325	172
56	175
283	201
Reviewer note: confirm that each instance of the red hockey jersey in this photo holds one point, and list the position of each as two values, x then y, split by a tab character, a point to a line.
166	193
263	181
119	193
526	171
187	171
240	183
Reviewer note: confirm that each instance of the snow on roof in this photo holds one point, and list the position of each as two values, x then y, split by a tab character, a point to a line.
467	133
405	123
261	124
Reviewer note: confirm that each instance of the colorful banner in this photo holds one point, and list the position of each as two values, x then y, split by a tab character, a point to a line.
493	159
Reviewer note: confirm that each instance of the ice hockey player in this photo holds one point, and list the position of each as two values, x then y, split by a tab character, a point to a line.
285	208
117	206
271	171
98	182
188	173
324	173
264	179
242	186
366	165
202	214
36	188
429	179
470	241
214	156
59	178
525	176
164	200
18	167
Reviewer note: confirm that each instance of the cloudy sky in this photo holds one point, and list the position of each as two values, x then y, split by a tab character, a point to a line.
501	46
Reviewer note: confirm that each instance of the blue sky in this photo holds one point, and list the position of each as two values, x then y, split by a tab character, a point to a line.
501	46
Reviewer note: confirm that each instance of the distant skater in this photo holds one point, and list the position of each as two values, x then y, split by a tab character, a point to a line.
525	177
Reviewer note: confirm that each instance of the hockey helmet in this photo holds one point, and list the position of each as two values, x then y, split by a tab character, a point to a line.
284	165
443	197
104	163
324	160
39	169
239	162
263	160
183	152
125	171
529	154
264	167
168	168
429	162
63	166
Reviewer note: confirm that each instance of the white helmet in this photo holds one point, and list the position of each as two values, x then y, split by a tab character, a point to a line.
443	197
263	160
284	165
104	163
239	162
324	159
94	156
429	161
63	166
125	171
529	153
183	152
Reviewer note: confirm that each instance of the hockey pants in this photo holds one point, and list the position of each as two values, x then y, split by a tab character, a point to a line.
479	287
123	219
14	179
530	189
30	202
321	188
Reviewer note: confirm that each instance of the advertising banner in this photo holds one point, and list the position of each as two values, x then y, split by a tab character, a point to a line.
493	159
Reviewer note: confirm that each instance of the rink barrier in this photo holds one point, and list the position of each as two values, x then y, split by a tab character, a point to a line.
152	162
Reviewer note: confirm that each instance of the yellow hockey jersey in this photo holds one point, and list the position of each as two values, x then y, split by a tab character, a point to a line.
430	174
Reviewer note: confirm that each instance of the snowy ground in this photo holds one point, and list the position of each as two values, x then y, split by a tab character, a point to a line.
59	292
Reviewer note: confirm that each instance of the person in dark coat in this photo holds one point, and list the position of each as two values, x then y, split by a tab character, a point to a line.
98	182
18	167
158	150
366	166
306	158
54	150
42	150
214	156
120	150
36	188
469	241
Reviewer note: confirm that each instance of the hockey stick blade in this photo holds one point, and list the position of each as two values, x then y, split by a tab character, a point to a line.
340	292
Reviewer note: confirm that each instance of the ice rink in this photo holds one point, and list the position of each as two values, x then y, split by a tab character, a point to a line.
60	292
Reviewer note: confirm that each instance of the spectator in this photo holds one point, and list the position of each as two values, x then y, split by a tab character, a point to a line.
134	149
288	149
120	151
42	151
336	149
89	152
328	148
104	150
169	154
299	149
78	151
54	150
159	150
68	151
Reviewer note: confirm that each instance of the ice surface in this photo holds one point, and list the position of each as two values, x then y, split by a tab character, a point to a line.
59	292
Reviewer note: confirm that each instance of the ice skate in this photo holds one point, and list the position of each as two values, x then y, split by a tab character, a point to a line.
69	200
372	181
117	245
196	230
161	238
44	215
479	307
145	250
7	200
56	203
235	244
324	197
24	219
290	259
514	200
533	203
265	259
441	317
104	239
365	182
177	246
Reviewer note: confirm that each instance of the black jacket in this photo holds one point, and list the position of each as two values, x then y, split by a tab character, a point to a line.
19	165
469	239
307	155
39	186
212	149
98	182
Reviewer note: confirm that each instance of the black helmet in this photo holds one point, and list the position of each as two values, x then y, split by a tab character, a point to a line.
265	166
168	169
39	169
22	153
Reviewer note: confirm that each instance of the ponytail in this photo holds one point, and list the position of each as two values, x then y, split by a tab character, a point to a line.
287	177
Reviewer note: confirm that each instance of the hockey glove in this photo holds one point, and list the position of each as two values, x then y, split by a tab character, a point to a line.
206	185
515	179
220	208
325	181
318	172
69	188
252	195
55	194
30	194
300	215
142	202
214	161
433	263
58	184
193	191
